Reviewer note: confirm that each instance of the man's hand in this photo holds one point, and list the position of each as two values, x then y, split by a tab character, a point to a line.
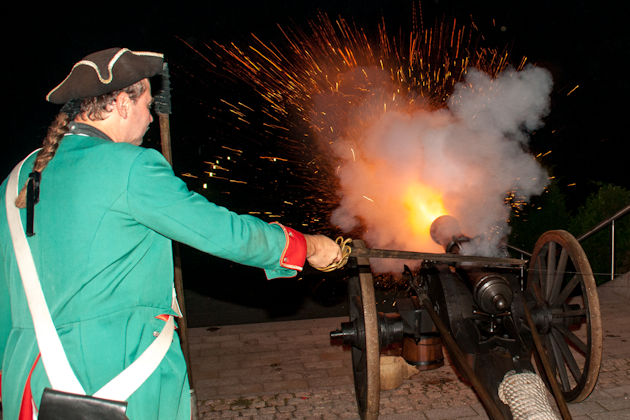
321	251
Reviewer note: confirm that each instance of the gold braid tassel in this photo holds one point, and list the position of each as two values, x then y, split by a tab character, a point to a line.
345	253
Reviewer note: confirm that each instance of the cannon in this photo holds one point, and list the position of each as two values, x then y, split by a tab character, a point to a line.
494	316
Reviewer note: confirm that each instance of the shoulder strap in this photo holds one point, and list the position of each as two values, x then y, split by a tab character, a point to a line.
54	358
57	367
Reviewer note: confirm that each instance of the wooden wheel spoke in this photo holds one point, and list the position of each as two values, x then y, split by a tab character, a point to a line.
561	369
551	269
567	356
551	355
537	283
361	359
567	289
542	269
574	339
560	271
571	313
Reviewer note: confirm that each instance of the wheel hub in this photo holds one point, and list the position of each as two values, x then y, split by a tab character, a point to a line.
542	316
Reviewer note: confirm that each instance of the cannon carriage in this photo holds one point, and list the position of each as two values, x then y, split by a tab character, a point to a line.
495	317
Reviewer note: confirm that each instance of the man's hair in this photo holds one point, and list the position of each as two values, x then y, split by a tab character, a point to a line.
93	109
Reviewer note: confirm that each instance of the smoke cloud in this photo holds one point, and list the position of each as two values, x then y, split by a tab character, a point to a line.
400	166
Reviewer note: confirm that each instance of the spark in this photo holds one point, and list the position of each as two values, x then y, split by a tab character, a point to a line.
233	150
274	158
219	168
421	68
279	127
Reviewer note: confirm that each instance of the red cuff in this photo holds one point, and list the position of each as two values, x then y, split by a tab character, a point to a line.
294	253
165	317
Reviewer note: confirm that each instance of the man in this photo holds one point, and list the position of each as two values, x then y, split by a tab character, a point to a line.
101	230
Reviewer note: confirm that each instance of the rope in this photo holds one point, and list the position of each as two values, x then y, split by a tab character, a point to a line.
345	254
526	396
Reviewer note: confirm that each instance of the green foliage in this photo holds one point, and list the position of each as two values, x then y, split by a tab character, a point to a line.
598	207
545	212
549	212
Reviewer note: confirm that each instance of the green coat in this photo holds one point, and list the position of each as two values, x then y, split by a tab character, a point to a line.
102	247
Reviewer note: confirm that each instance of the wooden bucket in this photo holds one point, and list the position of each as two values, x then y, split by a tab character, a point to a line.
425	353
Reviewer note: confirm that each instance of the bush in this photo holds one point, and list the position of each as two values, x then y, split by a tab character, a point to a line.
607	201
545	212
549	212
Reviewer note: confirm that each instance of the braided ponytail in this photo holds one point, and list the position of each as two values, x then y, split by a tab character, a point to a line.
56	131
92	108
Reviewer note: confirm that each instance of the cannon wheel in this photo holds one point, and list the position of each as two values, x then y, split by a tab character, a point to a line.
566	311
366	356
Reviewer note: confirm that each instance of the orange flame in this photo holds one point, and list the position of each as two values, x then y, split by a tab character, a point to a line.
423	205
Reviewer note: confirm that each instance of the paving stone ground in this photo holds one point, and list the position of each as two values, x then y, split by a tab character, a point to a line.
289	370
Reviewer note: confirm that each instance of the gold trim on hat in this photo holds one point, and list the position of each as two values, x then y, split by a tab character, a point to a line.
110	66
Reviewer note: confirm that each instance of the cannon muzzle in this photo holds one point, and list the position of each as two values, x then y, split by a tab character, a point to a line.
445	231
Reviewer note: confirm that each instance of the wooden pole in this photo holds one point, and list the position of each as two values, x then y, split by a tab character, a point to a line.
447	258
492	409
179	284
163	108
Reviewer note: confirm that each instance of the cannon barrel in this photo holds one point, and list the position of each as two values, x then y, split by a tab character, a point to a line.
491	291
445	231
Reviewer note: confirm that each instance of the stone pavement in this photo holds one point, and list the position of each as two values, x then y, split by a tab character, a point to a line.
288	370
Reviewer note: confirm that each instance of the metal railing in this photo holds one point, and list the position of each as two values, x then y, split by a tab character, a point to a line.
595	229
610	221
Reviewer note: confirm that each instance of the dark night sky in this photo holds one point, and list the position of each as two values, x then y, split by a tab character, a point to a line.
582	42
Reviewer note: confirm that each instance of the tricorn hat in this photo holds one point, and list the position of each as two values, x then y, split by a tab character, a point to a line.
106	71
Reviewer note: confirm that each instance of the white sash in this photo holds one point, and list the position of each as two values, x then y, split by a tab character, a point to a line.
58	369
